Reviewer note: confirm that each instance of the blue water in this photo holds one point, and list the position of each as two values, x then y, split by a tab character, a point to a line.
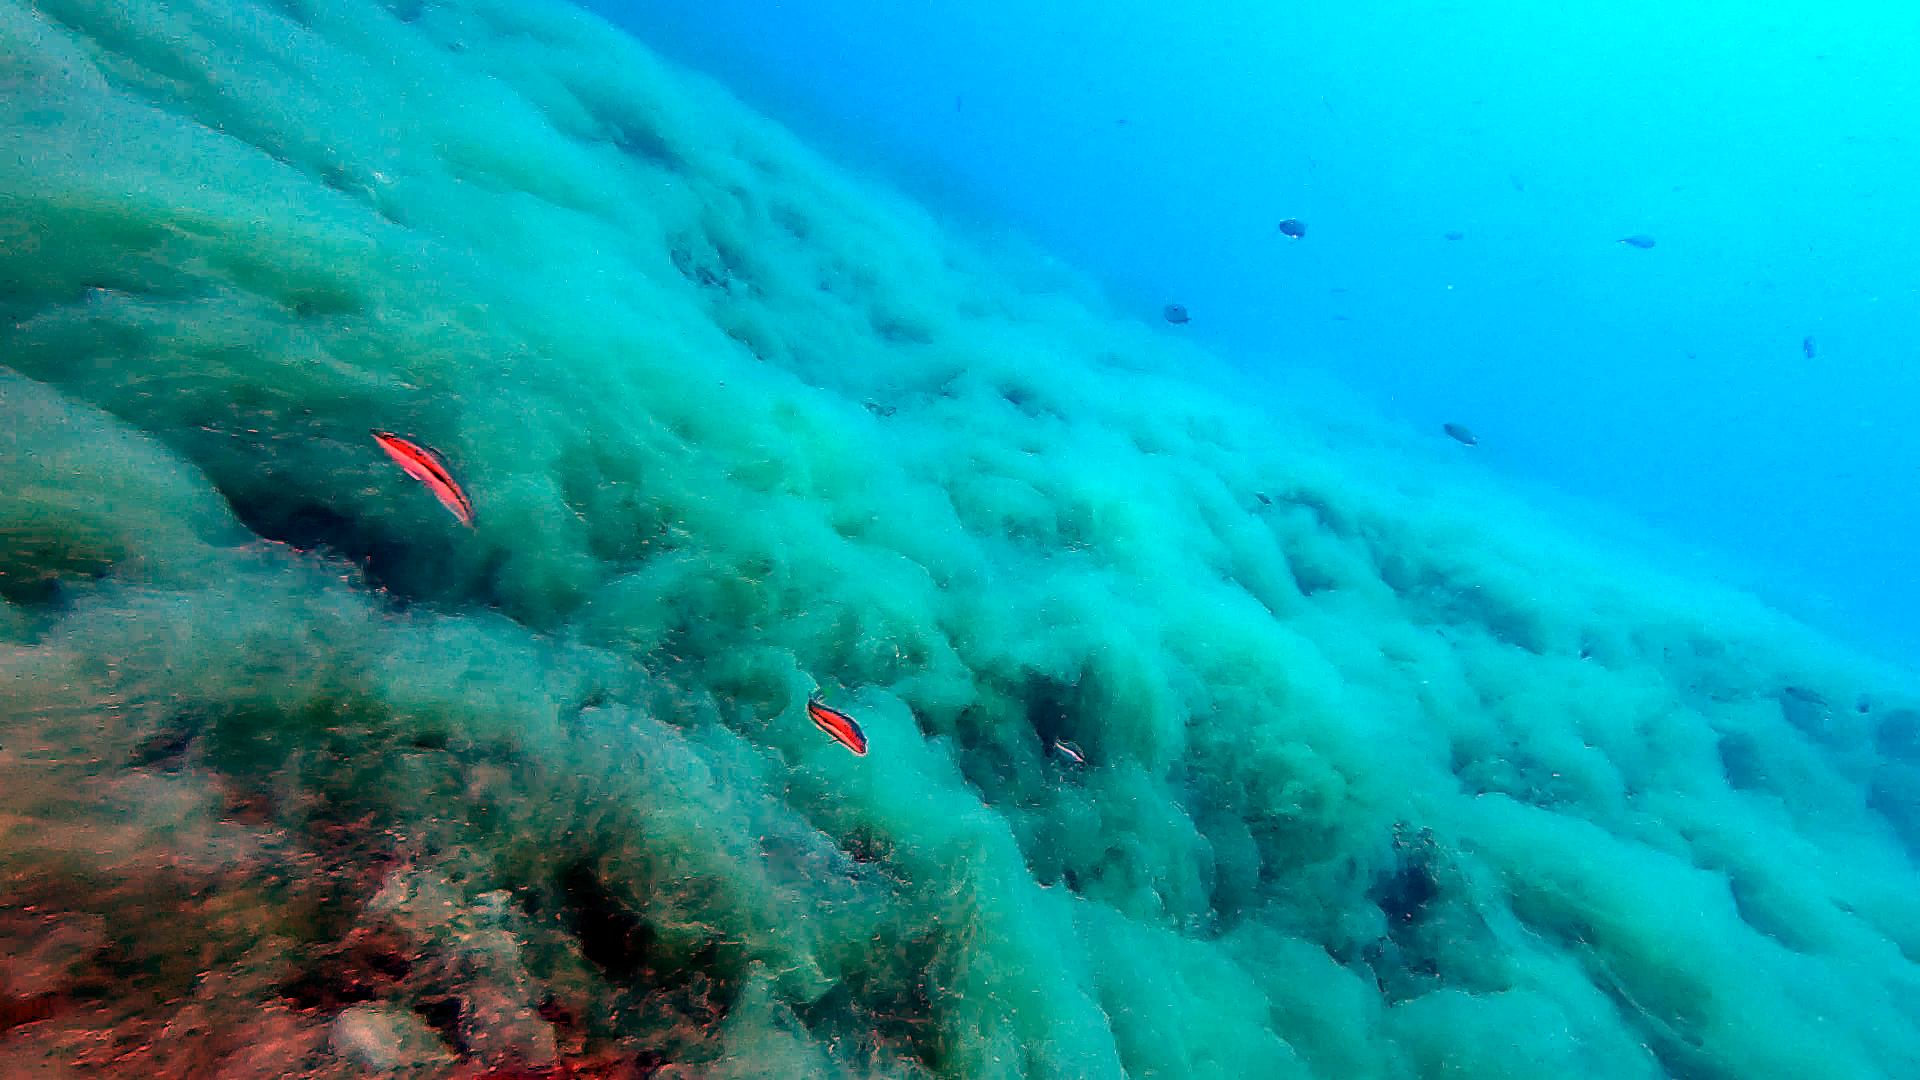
1770	153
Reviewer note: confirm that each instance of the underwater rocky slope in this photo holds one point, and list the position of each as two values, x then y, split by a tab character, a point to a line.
301	776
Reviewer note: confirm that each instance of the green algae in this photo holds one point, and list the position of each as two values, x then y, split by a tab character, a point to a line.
1374	788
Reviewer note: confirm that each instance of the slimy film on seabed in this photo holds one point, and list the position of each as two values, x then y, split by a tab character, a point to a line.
515	564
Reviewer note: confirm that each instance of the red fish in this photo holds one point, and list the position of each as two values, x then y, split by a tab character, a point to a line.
839	725
430	469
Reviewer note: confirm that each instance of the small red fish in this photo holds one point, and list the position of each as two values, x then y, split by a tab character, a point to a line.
430	469
1070	752
839	725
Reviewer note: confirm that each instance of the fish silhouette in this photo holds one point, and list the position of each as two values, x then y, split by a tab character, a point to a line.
1806	346
837	724
1461	434
1175	314
425	464
1637	240
1294	227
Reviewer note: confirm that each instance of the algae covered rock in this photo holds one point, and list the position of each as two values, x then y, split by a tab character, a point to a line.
384	1038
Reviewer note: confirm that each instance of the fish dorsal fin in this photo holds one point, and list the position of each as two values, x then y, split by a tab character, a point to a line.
433	457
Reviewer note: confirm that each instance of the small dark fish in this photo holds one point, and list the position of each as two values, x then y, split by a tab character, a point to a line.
837	724
1456	235
427	466
1806	346
1341	318
1294	227
1069	751
1637	240
1176	314
1262	496
1461	434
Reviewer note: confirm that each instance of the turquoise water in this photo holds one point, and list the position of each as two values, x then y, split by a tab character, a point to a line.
1467	170
1388	771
